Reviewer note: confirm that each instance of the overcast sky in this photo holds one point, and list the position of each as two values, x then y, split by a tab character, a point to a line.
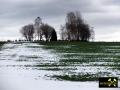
103	15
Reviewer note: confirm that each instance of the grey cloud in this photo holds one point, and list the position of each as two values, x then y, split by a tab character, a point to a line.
19	12
103	19
22	11
53	8
112	2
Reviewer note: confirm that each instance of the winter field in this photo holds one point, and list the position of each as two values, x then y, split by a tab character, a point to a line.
57	65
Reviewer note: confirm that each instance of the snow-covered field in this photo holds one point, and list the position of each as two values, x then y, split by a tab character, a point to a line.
18	71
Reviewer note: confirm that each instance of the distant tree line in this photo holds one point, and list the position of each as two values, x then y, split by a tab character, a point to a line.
75	28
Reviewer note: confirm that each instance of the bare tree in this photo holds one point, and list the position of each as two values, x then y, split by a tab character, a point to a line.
71	25
27	31
23	31
76	27
85	33
38	31
92	34
49	32
63	32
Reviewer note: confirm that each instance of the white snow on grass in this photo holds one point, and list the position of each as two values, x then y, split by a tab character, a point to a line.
15	75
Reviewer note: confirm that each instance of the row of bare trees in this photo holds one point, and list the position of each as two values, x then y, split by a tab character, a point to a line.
38	30
75	28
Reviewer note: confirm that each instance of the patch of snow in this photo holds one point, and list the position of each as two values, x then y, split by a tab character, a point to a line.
15	76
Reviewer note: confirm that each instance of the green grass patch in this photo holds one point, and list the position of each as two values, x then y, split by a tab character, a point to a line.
86	77
73	53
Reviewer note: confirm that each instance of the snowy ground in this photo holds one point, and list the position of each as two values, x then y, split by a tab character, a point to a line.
15	75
